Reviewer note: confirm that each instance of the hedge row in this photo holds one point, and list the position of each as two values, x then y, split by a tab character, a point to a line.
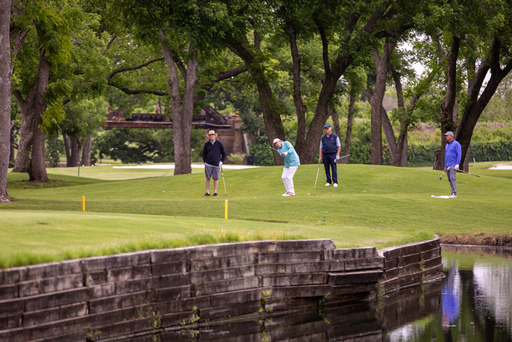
417	154
481	152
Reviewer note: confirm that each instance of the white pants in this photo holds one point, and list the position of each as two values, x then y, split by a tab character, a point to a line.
287	177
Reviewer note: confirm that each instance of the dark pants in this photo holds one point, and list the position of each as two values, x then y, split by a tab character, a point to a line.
330	163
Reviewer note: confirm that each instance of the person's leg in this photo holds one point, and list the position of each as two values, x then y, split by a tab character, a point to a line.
215	184
334	170
289	179
207	185
452	178
325	158
284	178
208	174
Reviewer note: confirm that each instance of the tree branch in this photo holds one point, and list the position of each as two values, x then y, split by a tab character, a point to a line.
325	43
114	37
140	66
138	91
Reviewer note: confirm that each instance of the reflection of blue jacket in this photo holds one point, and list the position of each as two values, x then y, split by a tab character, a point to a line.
292	158
449	297
452	154
450	304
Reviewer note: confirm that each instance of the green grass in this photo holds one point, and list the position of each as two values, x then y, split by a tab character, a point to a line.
373	206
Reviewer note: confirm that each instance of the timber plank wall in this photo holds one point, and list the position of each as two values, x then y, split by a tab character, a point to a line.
159	290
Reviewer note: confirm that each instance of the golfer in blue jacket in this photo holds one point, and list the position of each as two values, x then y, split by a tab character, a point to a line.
291	164
452	156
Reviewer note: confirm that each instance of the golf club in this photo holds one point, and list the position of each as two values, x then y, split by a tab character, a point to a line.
469	173
223	180
271	147
318	169
336	160
441	177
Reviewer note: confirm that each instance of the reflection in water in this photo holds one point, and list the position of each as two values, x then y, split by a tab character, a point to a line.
450	297
474	303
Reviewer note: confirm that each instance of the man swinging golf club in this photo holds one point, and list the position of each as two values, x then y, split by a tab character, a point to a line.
452	156
213	155
291	164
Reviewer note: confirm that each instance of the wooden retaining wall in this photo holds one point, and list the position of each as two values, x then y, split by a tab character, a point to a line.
152	291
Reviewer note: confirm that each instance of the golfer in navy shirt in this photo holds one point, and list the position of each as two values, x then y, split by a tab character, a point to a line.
330	148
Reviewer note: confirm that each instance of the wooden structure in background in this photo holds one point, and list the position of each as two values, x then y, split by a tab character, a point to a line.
227	126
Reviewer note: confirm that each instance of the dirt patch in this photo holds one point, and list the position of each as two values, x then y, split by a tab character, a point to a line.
501	240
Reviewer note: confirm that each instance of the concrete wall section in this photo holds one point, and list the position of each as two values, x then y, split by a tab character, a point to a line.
152	291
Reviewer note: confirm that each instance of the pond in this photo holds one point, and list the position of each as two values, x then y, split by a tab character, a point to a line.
473	303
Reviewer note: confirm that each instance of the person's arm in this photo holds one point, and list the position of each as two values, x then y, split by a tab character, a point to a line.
320	152
458	149
203	154
338	145
223	153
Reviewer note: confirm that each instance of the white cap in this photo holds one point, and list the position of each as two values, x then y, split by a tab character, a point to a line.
276	140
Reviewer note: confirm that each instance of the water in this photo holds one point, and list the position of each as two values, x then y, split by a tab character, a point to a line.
476	299
473	303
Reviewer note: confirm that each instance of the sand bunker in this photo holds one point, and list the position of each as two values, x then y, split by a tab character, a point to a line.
501	167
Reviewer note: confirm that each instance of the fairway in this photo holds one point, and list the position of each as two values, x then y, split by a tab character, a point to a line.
373	206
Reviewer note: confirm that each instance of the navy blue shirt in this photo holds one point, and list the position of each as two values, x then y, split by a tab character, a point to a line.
213	153
330	144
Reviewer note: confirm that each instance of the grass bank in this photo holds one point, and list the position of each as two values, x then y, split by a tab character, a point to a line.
373	206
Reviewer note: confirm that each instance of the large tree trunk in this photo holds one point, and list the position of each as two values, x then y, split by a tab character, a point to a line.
14	144
300	108
31	152
350	120
400	156
5	97
381	67
268	101
182	112
448	106
86	152
73	147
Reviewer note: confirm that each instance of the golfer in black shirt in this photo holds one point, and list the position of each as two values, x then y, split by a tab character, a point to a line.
214	155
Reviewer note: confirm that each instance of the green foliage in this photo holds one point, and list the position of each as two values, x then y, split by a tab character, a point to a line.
491	151
263	153
236	158
137	145
54	149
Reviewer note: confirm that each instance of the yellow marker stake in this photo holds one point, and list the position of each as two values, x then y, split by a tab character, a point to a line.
226	209
83	203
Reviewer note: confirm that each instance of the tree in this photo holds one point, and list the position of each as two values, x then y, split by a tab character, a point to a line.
5	96
479	41
82	120
356	78
47	45
185	33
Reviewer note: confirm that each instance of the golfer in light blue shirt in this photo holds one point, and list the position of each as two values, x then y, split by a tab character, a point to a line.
291	164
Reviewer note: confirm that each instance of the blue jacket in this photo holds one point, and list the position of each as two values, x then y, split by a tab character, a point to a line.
453	153
330	144
292	158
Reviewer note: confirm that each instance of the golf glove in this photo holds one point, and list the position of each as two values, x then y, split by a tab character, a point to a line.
220	164
285	153
337	157
457	167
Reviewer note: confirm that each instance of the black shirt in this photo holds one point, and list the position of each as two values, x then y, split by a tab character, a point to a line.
213	153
